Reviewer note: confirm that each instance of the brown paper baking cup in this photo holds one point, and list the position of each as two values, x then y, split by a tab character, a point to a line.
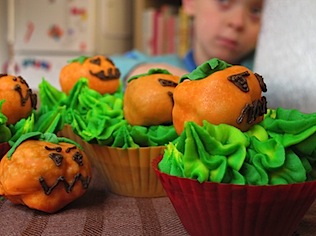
4	148
227	209
128	172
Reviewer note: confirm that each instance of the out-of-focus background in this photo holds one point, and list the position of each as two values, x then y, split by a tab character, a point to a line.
39	36
286	54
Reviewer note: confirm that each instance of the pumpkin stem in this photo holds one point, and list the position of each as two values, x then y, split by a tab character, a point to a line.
49	137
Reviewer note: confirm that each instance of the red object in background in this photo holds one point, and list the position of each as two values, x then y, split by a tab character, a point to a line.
78	11
55	32
6	65
29	32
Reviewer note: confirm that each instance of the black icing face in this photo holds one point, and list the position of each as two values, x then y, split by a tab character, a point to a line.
58	156
103	68
258	107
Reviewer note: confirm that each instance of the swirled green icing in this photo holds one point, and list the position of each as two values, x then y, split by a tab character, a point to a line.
279	150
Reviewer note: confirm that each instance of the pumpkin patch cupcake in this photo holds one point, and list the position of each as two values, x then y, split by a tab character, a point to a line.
130	141
147	127
250	173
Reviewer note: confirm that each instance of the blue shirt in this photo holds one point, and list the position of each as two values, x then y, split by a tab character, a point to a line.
128	61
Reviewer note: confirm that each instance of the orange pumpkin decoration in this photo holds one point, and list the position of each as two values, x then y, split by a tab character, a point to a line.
221	93
43	175
148	98
19	98
102	74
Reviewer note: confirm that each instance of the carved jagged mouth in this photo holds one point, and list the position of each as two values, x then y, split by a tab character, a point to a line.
112	73
85	181
253	111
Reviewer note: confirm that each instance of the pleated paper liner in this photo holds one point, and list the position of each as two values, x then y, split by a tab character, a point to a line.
128	172
4	148
228	210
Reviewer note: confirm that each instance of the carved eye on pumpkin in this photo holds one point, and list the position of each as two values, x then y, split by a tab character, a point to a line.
102	74
57	157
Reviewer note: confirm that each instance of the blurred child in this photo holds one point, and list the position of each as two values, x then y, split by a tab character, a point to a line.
225	29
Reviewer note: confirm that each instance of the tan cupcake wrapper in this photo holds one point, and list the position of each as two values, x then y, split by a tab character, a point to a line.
128	172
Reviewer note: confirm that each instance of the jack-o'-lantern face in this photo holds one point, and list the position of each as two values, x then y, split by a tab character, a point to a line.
19	98
103	76
148	99
228	96
103	68
70	158
44	175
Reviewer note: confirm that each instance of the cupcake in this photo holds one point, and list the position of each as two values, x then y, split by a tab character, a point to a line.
146	126
122	151
222	181
251	173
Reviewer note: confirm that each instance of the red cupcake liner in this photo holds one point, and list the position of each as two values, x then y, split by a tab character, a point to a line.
228	209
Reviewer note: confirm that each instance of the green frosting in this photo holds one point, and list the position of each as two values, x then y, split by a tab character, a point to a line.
207	68
45	119
279	150
150	72
99	118
80	59
5	133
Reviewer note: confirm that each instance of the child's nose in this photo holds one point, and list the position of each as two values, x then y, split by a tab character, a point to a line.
237	18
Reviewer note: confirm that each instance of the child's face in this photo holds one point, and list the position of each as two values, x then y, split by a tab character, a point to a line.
226	29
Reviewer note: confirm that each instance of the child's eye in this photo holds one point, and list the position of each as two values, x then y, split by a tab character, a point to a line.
223	1
256	11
